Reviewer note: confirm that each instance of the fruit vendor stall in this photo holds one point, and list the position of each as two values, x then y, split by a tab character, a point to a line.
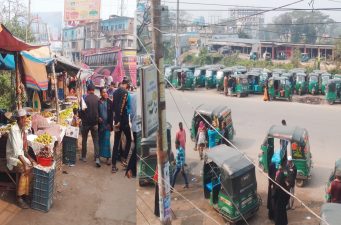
45	131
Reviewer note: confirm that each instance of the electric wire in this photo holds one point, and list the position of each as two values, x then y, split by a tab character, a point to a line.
234	147
142	215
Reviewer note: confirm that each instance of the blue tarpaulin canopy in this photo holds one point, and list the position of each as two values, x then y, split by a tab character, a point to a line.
7	62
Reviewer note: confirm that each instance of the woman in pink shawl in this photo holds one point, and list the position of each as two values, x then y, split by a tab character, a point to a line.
201	138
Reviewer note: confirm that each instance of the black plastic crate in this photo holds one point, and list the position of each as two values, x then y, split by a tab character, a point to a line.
69	150
43	184
41	175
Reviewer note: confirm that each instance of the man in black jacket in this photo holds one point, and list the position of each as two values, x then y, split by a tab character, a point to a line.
121	119
89	118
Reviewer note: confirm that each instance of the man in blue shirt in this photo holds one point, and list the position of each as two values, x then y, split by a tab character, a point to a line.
180	164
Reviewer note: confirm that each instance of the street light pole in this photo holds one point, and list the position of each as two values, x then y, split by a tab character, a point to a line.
162	157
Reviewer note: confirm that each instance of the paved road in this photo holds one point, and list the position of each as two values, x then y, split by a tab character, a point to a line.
252	118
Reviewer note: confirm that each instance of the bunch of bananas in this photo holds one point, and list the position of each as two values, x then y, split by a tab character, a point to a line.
45	139
47	114
63	116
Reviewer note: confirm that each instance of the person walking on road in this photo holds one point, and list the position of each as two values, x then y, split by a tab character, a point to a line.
212	135
105	125
121	118
201	138
156	197
180	164
335	188
89	117
225	85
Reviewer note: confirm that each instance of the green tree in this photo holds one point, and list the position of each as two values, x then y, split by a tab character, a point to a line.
296	58
6	91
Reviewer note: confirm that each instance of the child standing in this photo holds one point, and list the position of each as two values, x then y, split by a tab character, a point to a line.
180	164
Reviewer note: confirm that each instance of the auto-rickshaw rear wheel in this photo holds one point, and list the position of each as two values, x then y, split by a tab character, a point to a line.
299	182
331	102
238	95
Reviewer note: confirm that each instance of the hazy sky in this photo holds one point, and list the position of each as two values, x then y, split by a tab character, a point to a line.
213	15
108	7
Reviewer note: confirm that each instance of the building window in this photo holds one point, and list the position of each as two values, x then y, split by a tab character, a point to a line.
130	43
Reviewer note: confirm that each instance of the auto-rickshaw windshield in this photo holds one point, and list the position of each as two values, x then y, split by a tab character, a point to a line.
244	81
209	73
325	79
197	73
300	78
314	78
168	71
220	74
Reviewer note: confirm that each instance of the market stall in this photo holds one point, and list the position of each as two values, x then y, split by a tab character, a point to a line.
46	130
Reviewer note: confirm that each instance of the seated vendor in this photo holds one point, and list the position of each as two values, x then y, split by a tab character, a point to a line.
17	157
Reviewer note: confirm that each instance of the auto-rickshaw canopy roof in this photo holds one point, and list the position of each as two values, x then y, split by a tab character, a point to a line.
253	73
229	160
227	69
330	212
295	134
334	81
184	69
301	74
277	70
325	74
278	78
239	76
288	74
212	111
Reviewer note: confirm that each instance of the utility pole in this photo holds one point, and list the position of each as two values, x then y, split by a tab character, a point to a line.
162	157
28	19
177	49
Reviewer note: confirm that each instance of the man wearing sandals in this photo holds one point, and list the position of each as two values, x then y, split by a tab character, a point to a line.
17	158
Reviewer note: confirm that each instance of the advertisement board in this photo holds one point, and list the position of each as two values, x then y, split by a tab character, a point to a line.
81	10
149	101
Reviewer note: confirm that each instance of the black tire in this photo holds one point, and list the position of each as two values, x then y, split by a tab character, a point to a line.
290	98
331	102
238	95
142	183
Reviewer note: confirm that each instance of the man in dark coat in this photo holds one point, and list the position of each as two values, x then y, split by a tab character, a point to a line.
121	120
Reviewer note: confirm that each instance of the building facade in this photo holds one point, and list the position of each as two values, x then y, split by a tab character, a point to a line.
91	37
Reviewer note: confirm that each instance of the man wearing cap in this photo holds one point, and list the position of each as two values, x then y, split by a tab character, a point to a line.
89	118
17	158
121	119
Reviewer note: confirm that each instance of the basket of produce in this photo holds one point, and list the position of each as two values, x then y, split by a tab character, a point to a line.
44	157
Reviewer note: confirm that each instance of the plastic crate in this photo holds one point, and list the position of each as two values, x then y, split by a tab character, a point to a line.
69	150
43	187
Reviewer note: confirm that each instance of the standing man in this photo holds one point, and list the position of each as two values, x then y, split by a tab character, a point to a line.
225	85
90	121
17	158
281	198
121	120
181	136
335	188
230	85
183	80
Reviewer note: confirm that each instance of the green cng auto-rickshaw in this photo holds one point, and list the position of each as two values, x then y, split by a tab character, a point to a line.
189	79
279	88
324	78
284	141
229	182
291	78
336	170
199	76
220	77
169	71
219	114
147	158
240	86
313	83
301	86
210	77
333	91
255	86
330	212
